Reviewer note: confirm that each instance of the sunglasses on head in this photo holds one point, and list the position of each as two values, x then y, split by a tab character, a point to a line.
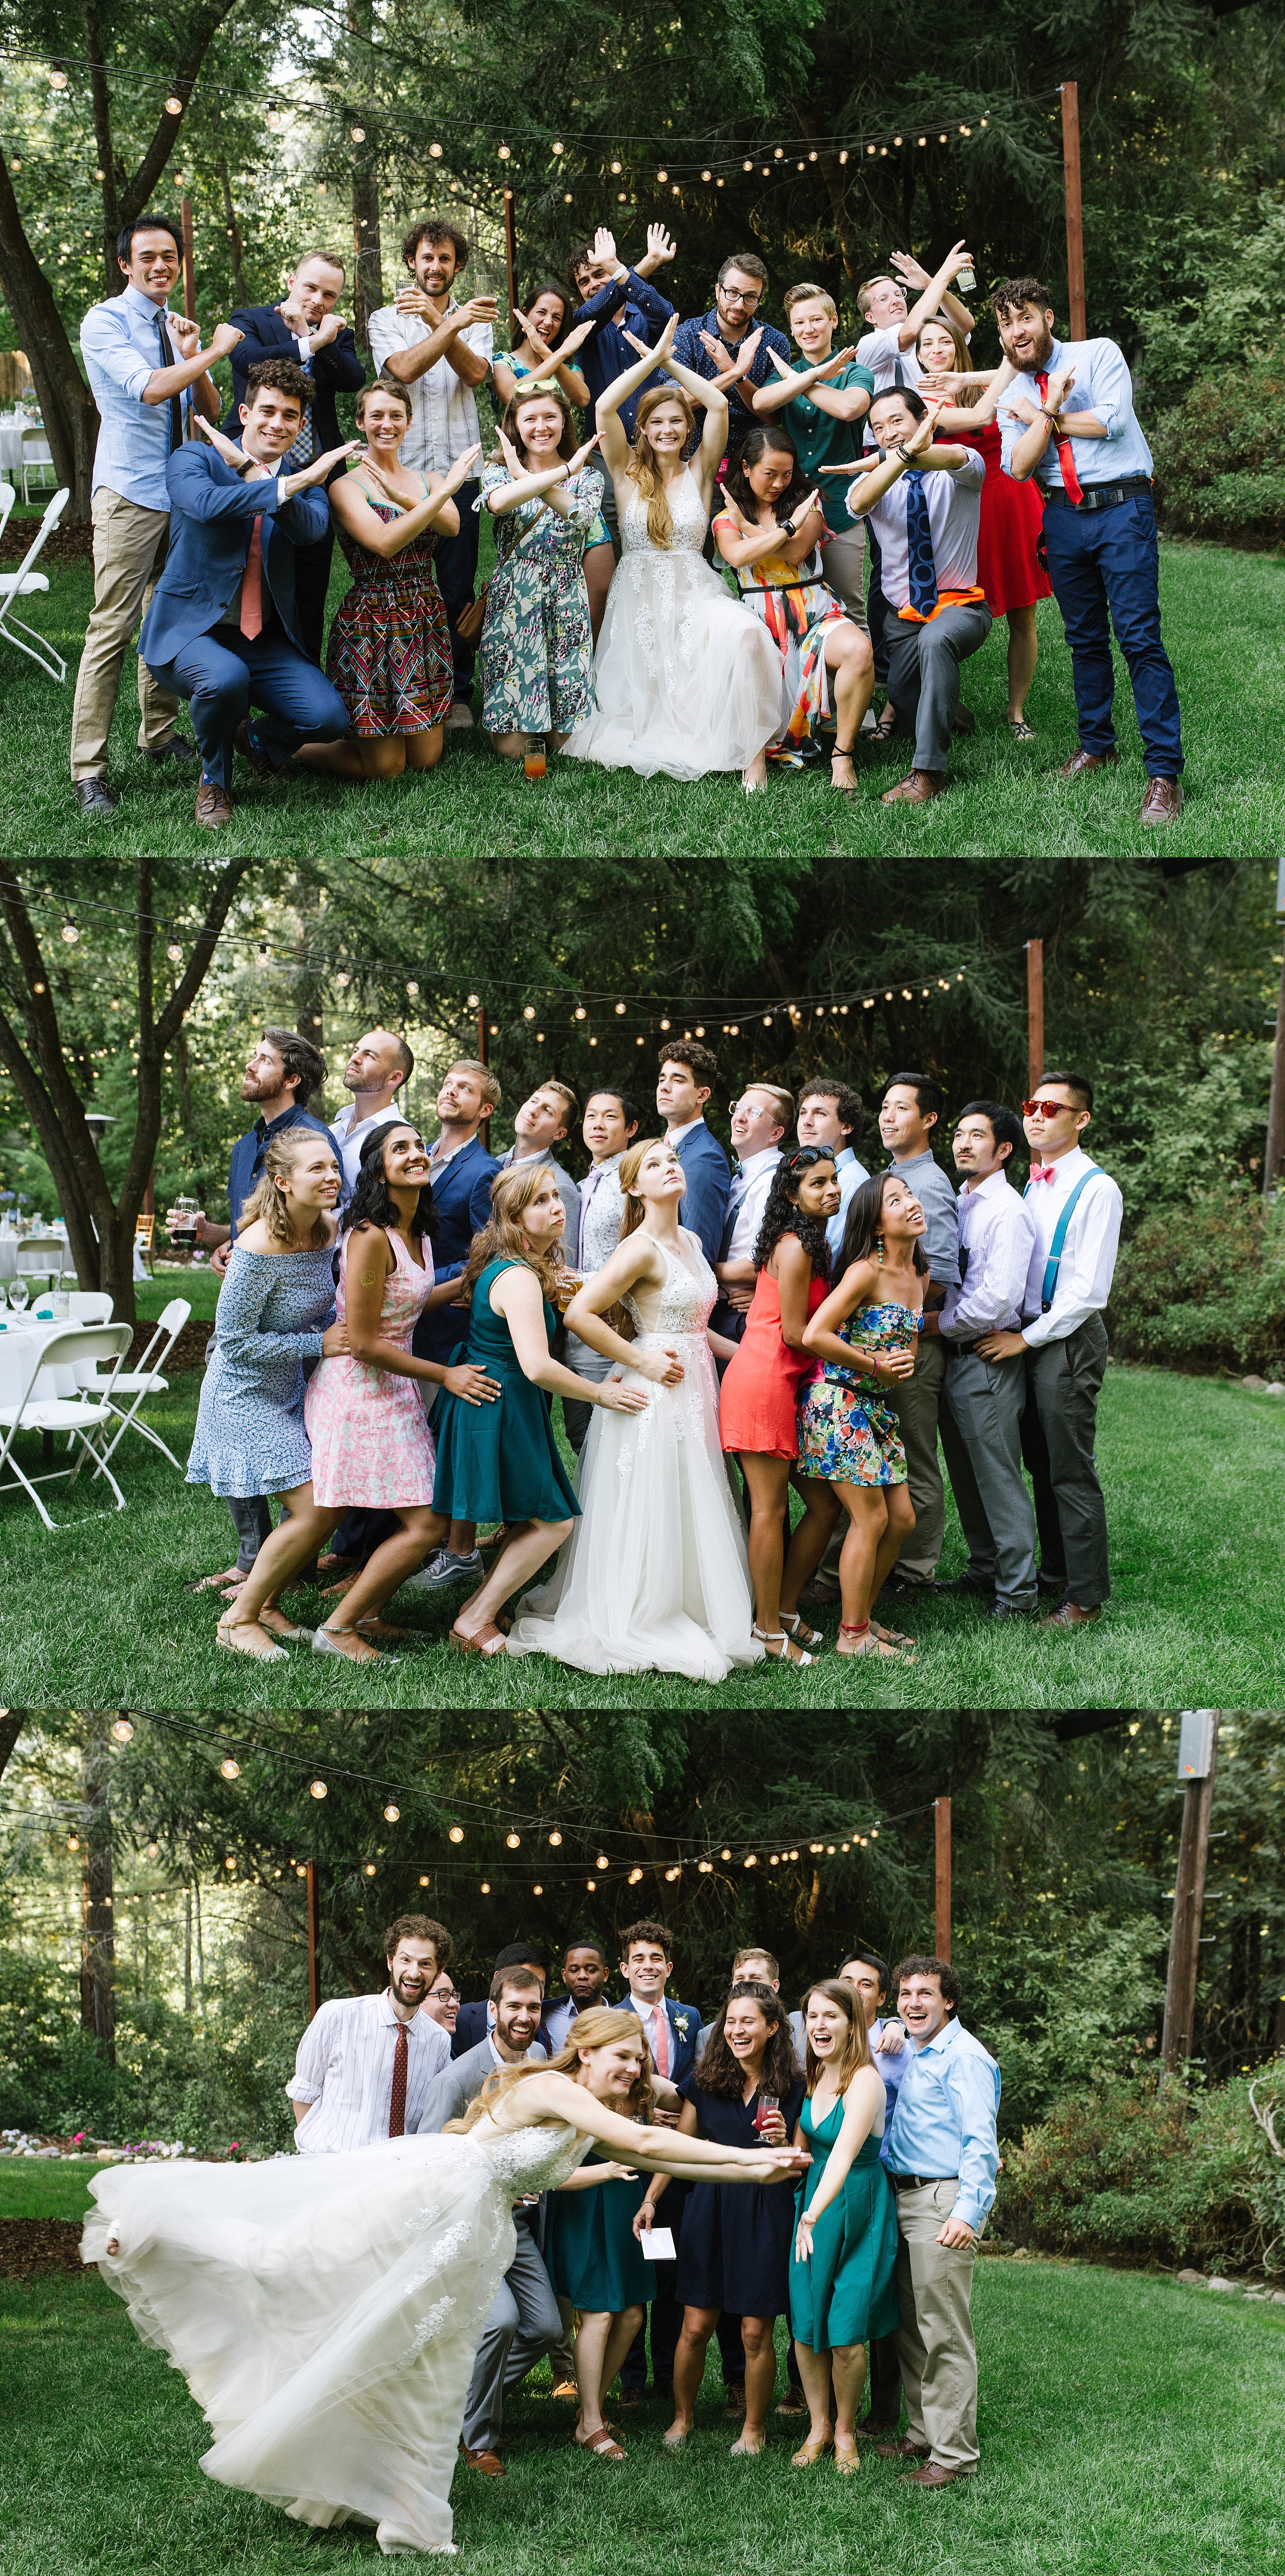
1045	1108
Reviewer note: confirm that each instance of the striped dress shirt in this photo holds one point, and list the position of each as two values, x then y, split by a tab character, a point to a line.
344	2068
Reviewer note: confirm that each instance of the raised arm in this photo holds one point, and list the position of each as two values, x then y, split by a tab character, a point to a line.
437	508
936	296
707	393
615	445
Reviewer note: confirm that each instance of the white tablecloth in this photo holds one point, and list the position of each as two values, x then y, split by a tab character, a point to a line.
11	451
15	1343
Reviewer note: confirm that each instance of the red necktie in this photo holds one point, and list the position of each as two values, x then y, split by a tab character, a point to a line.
252	614
397	2101
660	2025
1043	1171
1070	479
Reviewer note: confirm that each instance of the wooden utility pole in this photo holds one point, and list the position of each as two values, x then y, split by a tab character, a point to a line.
484	1057
314	1940
941	1821
1074	209
1197	1752
189	261
1275	1154
510	249
1035	1010
98	1934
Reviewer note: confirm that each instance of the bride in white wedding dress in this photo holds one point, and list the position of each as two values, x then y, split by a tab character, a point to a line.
655	1575
683	681
326	2310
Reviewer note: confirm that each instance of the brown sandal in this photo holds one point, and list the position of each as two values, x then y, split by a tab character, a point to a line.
810	2452
601	2444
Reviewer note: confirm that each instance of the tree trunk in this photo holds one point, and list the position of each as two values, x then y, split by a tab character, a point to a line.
187	1950
233	232
100	97
11	1724
368	277
67	407
98	1938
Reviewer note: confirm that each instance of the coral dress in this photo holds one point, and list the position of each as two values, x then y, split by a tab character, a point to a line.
758	1404
371	1446
1012	517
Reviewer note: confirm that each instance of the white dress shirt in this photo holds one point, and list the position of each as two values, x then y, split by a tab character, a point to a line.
674	1135
746	1201
996	1244
344	2068
647	2014
350	1133
600	1217
444	416
850	1174
954	517
1087	1265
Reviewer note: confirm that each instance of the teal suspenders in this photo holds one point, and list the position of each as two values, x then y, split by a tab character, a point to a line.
1059	1238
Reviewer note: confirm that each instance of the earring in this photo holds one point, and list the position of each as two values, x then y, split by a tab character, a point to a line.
879	1250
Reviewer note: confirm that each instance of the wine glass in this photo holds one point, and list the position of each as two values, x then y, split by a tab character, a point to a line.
19	1293
765	2113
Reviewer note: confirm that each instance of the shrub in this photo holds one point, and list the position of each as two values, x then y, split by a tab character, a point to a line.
1059	2002
1127	2171
1217	469
1204	1286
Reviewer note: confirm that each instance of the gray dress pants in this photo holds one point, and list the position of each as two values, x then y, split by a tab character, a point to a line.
1063	1383
522	2325
981	1432
923	674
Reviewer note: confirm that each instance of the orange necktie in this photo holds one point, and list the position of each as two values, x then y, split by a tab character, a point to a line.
252	584
1071	483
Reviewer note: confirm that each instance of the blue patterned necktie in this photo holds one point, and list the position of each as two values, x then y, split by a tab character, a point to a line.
302	449
921	562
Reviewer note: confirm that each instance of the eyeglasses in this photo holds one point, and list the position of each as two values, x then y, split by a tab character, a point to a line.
740	295
1044	1108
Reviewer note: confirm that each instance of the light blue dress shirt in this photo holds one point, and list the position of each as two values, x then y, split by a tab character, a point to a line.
925	1177
1104	386
892	2070
944	2122
851	1175
122	348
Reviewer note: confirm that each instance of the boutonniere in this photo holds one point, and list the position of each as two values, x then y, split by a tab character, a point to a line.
682	2024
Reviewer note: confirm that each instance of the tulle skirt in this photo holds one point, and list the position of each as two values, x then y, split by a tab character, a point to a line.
687	680
654	1577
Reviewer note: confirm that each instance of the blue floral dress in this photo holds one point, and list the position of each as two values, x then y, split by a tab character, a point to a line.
273	1309
537	643
847	1429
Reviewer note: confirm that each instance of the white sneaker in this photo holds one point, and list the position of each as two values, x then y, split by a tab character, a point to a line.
460	717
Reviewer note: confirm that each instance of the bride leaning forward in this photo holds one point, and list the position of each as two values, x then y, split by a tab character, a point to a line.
326	2310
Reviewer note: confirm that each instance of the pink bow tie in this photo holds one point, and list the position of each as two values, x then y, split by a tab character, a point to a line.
1043	1171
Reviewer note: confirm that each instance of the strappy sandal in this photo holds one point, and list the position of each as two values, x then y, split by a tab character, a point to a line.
869	1644
770	1637
491	1642
795	1627
809	2453
1020	730
846	786
847	2458
601	2445
223	1636
889	1636
887	724
268	1620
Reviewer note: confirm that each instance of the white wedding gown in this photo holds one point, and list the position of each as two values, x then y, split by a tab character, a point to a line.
325	2310
654	1576
687	680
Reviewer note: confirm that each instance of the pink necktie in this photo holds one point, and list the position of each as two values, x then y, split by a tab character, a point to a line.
1043	1171
252	584
660	2039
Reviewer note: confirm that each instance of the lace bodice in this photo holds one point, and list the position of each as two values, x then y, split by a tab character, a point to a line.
686	510
535	2158
682	1304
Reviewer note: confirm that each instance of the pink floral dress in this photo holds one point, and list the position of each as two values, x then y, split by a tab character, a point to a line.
371	1445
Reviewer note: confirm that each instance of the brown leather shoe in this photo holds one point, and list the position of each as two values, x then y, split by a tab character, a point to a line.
933	2476
904	2449
1082	761
870	2429
735	2405
1162	802
1071	1616
213	804
258	760
918	788
487	2462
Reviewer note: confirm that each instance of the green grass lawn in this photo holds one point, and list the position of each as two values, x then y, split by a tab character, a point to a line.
1128	2427
1223	615
1194	1473
199	1287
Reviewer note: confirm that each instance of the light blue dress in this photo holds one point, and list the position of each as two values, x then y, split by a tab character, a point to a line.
273	1309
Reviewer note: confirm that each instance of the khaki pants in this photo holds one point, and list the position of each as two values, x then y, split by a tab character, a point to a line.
130	545
915	1401
843	566
935	2336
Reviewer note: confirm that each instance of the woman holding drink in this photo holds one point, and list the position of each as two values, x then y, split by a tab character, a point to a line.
843	2274
735	2247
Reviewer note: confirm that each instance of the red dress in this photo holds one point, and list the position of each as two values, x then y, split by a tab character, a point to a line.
1012	516
757	1404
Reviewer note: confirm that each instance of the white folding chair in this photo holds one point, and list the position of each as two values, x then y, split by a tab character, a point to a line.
89	1306
41	1256
7	498
88	1418
17	585
145	1380
36	459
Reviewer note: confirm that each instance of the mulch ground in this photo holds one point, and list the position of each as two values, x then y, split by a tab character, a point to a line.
188	1352
31	2245
66	545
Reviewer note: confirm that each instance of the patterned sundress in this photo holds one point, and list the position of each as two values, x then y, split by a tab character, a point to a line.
598	533
372	1448
389	651
847	1429
537	643
796	606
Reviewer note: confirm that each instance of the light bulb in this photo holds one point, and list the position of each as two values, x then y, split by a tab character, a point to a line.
230	1770
537	1890
472	1001
486	1887
424	1882
580	1013
602	1861
528	1010
174	953
123	1731
391	1815
70	933
435	152
318	1789
358	133
370	1869
173	106
513	1841
456	1834
555	1839
412	992
634	1876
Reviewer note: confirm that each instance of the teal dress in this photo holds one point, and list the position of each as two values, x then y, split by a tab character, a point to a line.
591	2253
499	1461
847	2292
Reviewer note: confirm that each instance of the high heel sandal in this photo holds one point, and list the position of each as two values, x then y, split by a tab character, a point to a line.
769	1637
802	1635
846	786
809	2452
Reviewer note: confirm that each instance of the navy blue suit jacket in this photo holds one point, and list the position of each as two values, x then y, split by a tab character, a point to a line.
338	368
708	1178
684	2031
461	1207
212	515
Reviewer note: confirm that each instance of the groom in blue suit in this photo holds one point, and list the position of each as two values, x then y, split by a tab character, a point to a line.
688	1073
672	2032
222	628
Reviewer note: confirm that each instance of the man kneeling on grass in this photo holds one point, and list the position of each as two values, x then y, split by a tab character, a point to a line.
222	628
924	502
